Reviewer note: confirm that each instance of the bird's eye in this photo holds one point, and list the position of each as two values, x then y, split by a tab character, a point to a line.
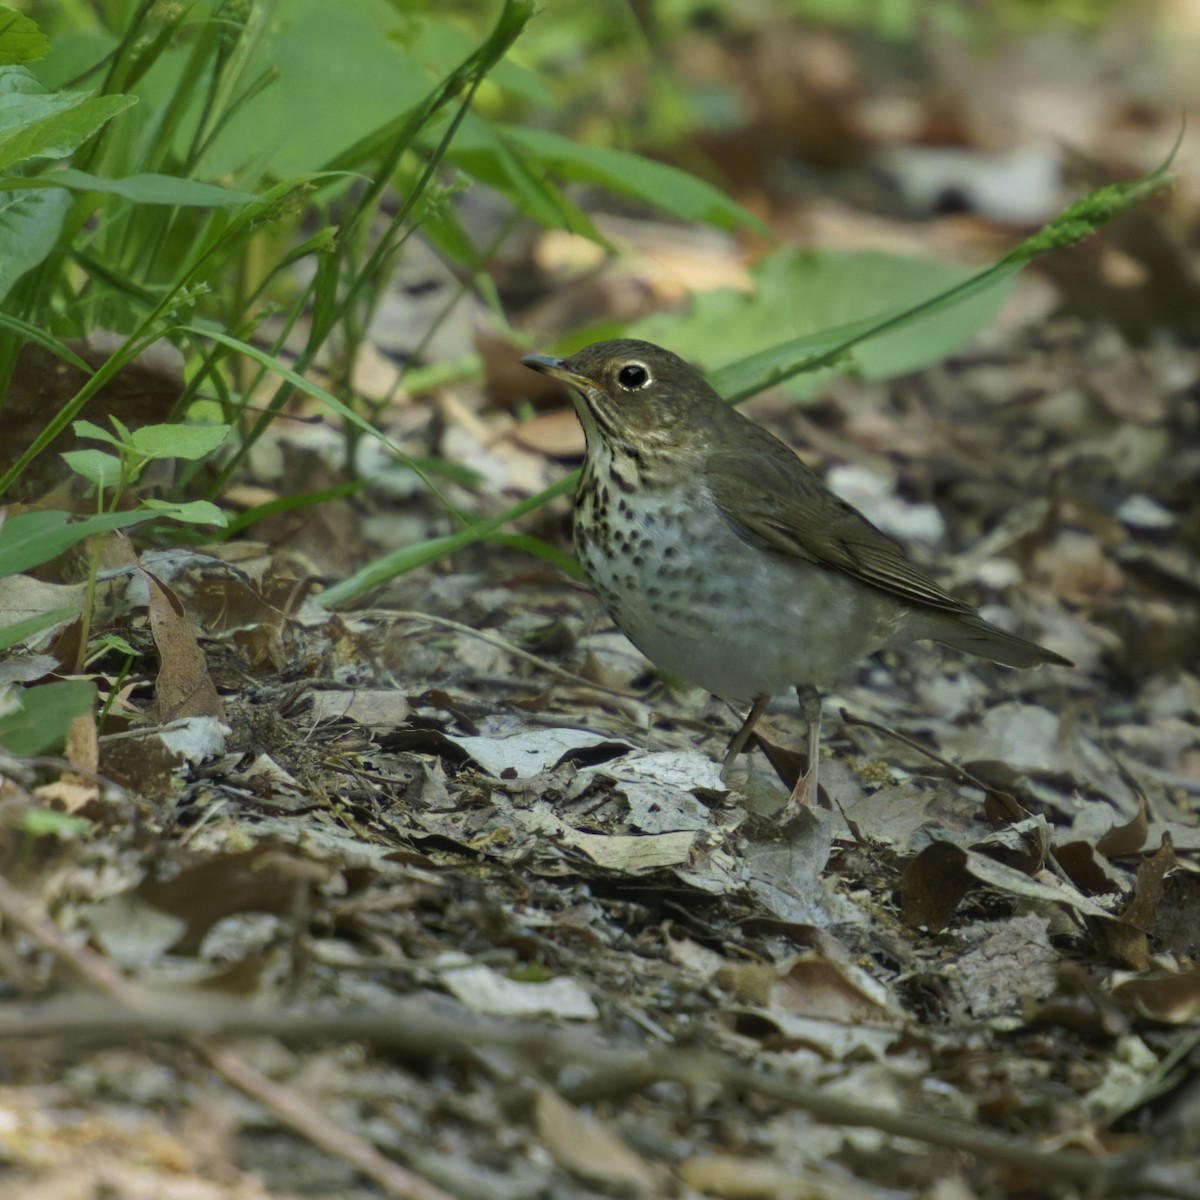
633	376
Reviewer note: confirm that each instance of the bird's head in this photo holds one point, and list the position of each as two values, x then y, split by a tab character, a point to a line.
627	391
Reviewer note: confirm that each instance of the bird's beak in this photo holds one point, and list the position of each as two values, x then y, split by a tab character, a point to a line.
556	368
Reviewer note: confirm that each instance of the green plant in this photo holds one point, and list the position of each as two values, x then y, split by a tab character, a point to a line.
114	472
167	201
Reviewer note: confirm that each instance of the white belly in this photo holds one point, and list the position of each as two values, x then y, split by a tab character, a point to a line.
752	624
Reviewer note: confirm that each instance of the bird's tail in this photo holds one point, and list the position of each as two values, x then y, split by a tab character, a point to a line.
973	635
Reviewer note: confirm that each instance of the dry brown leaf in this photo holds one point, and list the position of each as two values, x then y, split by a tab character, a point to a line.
556	434
582	1145
74	790
1081	1005
933	884
1148	888
1086	869
1126	839
1122	942
1125	938
183	687
812	984
265	879
380	708
1172	999
735	1178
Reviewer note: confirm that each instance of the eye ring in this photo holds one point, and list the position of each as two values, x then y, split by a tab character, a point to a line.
633	377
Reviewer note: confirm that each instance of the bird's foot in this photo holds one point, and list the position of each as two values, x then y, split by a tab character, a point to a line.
803	793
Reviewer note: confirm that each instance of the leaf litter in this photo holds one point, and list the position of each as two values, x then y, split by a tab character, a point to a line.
462	906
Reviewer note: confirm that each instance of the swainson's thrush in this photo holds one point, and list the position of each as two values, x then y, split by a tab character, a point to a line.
725	559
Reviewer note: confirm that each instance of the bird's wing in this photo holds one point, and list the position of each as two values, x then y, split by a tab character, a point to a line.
774	499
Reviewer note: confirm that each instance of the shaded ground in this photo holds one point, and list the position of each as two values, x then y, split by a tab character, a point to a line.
462	907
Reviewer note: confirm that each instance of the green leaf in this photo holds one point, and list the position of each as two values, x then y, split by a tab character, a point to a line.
193	512
30	223
443	46
14	634
34	538
808	302
37	124
40	724
297	381
87	429
481	150
110	641
408	558
145	188
178	441
33	333
41	822
99	468
290	503
336	70
665	187
20	38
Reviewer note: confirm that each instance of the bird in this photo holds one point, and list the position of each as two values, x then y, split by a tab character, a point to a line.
727	561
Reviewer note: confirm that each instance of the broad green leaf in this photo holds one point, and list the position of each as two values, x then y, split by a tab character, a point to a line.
337	70
37	124
30	223
193	512
665	187
146	188
20	38
178	441
11	635
99	468
1079	220
809	302
45	714
34	538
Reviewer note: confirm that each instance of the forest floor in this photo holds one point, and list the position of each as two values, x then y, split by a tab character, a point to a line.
461	906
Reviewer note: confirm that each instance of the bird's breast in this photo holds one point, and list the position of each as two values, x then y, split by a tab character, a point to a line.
705	605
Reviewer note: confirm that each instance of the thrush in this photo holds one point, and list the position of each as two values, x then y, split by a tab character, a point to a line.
728	562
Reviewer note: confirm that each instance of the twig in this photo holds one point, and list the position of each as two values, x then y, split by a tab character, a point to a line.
293	1110
494	639
959	772
415	1028
98	972
137	1011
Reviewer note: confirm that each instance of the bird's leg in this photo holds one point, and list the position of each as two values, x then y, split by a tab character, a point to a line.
738	742
806	789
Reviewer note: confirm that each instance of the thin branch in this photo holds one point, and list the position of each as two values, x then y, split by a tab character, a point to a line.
139	1009
494	639
956	770
414	1028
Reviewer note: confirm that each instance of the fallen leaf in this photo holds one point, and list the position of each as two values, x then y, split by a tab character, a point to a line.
483	990
579	1143
183	687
